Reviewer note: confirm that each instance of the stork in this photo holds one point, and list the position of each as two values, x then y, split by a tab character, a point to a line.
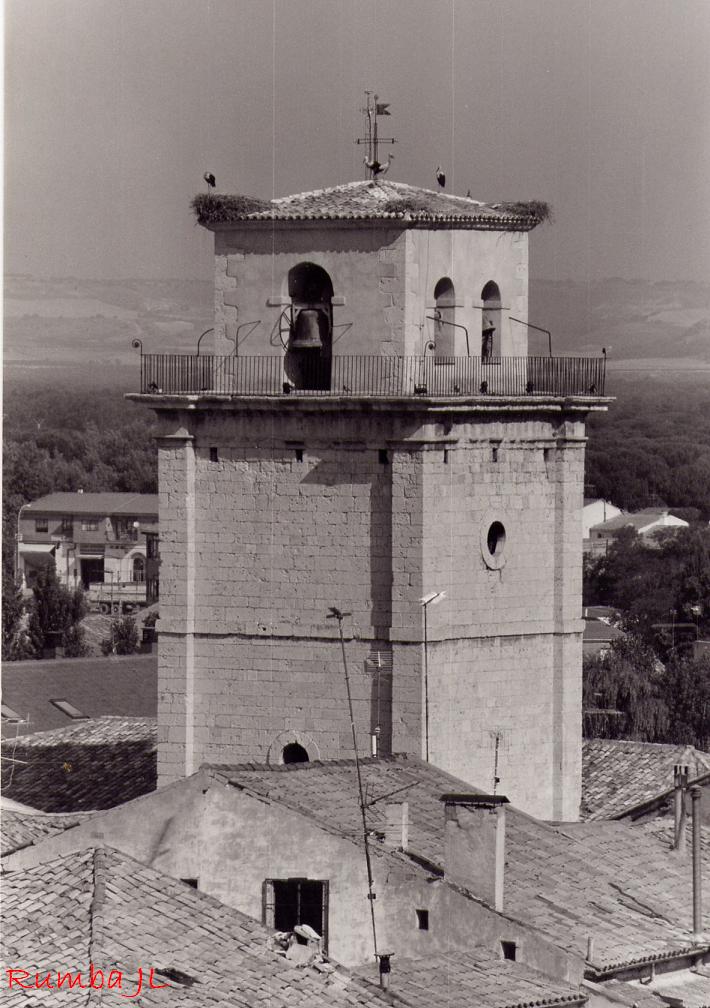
440	176
210	180
375	167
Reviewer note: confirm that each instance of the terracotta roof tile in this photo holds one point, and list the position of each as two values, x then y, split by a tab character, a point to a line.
22	829
100	906
90	764
370	200
108	503
620	774
476	977
616	882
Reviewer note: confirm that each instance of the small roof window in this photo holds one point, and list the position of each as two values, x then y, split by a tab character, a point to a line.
69	709
8	714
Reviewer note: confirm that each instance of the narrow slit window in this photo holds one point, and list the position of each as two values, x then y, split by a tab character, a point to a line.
423	920
214	455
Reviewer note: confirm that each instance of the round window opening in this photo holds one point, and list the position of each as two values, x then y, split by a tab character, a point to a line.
294	753
495	539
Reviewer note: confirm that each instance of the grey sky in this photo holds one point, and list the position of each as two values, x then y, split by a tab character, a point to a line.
115	108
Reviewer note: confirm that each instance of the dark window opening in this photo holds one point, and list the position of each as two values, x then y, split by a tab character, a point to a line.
69	709
299	454
192	882
214	455
446	456
490	322
310	344
494	454
383	456
423	920
138	572
41	525
495	540
288	902
444	328
67	526
294	753
509	949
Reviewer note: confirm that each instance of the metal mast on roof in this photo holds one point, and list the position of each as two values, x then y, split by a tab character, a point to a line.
340	616
374	108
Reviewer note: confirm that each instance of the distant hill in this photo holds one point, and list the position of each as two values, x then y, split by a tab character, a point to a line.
639	322
82	329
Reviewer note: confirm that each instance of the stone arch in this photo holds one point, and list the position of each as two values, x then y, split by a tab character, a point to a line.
292	737
310	345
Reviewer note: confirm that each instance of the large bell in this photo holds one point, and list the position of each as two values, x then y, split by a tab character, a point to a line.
306	331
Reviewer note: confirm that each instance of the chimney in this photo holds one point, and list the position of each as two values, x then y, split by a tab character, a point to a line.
397	825
681	774
696	795
474	844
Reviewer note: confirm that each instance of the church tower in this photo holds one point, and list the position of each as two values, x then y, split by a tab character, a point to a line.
370	432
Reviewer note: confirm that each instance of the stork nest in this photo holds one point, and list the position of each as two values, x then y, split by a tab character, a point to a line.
213	208
407	204
531	208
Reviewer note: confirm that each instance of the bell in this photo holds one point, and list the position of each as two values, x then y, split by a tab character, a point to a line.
306	331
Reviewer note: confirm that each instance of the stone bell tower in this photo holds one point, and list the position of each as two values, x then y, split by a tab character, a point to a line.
371	430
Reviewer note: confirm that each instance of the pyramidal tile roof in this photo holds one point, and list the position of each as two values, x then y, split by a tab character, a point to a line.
619	883
618	774
372	200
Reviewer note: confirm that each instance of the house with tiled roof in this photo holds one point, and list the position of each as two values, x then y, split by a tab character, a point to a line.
164	942
619	775
94	763
595	900
644	523
93	539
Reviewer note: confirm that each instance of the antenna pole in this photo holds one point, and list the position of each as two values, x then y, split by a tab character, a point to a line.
371	895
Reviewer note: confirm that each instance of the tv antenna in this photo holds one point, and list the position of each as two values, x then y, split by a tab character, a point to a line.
374	108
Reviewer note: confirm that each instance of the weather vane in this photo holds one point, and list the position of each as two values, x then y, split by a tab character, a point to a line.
374	108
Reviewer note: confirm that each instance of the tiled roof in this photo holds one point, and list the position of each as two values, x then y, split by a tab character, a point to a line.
476	978
132	504
102	907
93	764
371	200
597	631
616	882
20	829
119	685
619	774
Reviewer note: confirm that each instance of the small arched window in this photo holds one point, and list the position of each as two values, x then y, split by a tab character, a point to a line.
138	568
294	753
444	328
490	322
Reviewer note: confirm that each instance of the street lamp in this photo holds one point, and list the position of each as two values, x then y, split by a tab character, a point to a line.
433	598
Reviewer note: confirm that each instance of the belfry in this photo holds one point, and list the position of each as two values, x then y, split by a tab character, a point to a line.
369	431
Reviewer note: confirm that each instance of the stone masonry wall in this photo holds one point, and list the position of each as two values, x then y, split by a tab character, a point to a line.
369	510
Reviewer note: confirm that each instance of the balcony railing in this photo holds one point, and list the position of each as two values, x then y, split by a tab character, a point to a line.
373	376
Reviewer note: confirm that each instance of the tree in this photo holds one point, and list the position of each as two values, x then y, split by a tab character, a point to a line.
123	638
627	679
16	644
687	697
56	614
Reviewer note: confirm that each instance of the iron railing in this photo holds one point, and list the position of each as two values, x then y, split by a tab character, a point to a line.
372	375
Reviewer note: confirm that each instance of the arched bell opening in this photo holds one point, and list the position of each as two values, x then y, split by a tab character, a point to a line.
310	344
444	326
490	322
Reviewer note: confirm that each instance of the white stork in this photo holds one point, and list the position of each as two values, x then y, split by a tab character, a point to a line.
440	176
210	180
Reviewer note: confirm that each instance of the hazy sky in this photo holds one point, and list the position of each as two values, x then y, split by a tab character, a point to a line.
115	108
